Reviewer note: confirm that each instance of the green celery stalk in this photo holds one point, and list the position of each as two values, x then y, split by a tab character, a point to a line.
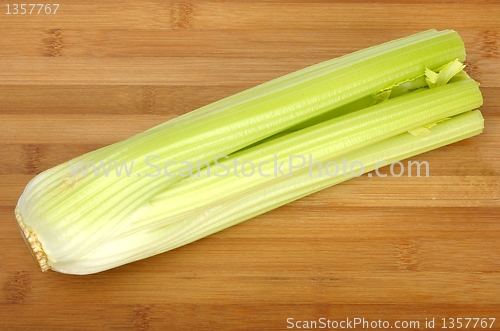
66	216
242	207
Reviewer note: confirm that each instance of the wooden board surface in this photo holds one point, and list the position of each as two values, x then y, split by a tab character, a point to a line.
389	249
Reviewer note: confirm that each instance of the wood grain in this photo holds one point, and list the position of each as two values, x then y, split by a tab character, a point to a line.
405	248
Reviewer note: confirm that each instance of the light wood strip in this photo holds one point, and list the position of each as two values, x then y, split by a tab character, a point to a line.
110	99
191	71
258	15
116	42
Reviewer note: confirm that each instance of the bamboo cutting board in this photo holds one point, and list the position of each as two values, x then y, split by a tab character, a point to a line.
389	249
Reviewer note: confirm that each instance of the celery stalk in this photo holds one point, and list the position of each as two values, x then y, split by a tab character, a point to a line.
66	216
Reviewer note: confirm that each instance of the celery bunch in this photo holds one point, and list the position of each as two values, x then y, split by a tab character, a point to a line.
360	106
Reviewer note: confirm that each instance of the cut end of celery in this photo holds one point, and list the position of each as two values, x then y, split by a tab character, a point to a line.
34	245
